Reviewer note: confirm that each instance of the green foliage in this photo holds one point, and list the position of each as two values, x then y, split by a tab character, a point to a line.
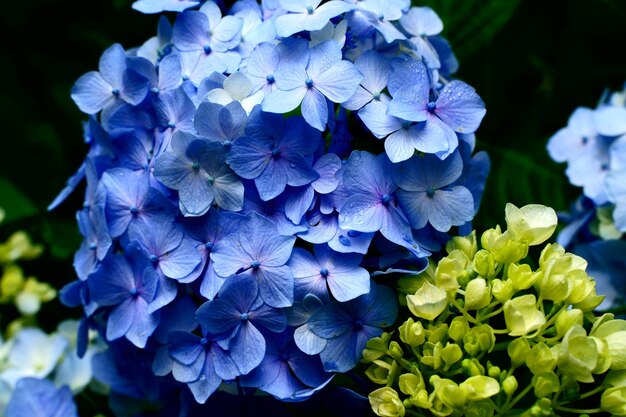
471	24
14	202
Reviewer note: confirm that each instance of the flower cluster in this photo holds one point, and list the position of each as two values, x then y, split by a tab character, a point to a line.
488	335
238	202
593	144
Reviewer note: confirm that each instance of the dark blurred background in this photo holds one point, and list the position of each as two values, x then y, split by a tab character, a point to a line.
532	61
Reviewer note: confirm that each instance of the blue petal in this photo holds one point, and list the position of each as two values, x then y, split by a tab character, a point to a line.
92	93
314	109
247	347
460	107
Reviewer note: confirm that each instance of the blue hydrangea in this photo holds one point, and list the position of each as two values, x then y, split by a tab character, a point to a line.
593	145
240	212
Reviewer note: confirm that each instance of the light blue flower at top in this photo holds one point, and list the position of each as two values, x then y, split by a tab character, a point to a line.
158	6
307	15
311	78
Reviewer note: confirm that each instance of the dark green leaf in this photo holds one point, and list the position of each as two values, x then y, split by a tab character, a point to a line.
15	204
61	236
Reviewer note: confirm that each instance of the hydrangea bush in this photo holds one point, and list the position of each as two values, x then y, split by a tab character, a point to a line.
593	144
249	172
492	332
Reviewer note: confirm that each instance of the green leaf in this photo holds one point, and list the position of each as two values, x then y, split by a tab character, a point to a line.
15	204
471	24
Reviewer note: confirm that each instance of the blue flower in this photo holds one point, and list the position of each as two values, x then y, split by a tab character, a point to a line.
423	23
95	91
310	79
328	272
96	244
221	123
276	158
286	372
348	326
158	6
34	397
196	168
236	313
427	193
200	362
128	290
616	182
375	70
372	205
576	139
257	248
380	13
298	316
307	15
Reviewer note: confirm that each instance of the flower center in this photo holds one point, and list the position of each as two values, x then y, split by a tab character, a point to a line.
430	192
309	83
134	292
255	264
357	324
432	106
133	210
385	199
208	246
204	341
171	124
207	49
195	166
310	9
270	79
116	92
324	272
244	317
154	259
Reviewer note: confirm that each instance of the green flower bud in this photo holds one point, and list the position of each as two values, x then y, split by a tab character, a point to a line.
448	270
458	327
504	246
376	347
522	276
411	384
473	367
549	252
479	387
570	388
493	371
412	333
545	384
541	359
614	333
383	372
438	334
451	354
582	286
448	392
11	283
502	290
421	400
518	351
532	223
578	354
411	283
615	378
484	264
428	302
431	355
466	244
395	351
479	339
522	315
568	318
542	408
477	294
18	246
509	385
386	403
613	401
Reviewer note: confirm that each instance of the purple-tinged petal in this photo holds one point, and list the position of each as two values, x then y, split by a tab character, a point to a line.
247	348
460	107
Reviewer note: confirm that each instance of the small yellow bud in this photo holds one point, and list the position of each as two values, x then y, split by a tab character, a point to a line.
522	315
545	384
479	387
502	290
428	302
484	264
522	276
518	351
477	294
466	244
509	385
532	223
458	327
613	401
386	403
412	333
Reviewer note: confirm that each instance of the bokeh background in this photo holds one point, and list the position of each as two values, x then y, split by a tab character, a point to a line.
532	61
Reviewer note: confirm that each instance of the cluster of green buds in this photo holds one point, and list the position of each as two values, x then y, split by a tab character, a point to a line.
25	292
489	335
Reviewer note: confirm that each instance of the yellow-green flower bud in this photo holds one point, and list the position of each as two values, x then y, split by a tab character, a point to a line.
458	327
504	246
613	401
11	283
411	384
376	347
479	339
438	334
509	385
615	378
428	302
412	333
449	269
493	371
386	403
532	223
541	359
614	333
568	318
484	264
383	372
578	354
479	387
522	276
411	283
477	294
545	384
451	354
549	252
448	392
502	290
473	367
466	244
431	355
395	351
522	315
18	246
518	351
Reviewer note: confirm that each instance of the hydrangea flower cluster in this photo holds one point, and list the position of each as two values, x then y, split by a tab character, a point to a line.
593	144
489	335
238	203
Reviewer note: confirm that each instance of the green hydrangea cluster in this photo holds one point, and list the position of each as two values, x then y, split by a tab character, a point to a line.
488	335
